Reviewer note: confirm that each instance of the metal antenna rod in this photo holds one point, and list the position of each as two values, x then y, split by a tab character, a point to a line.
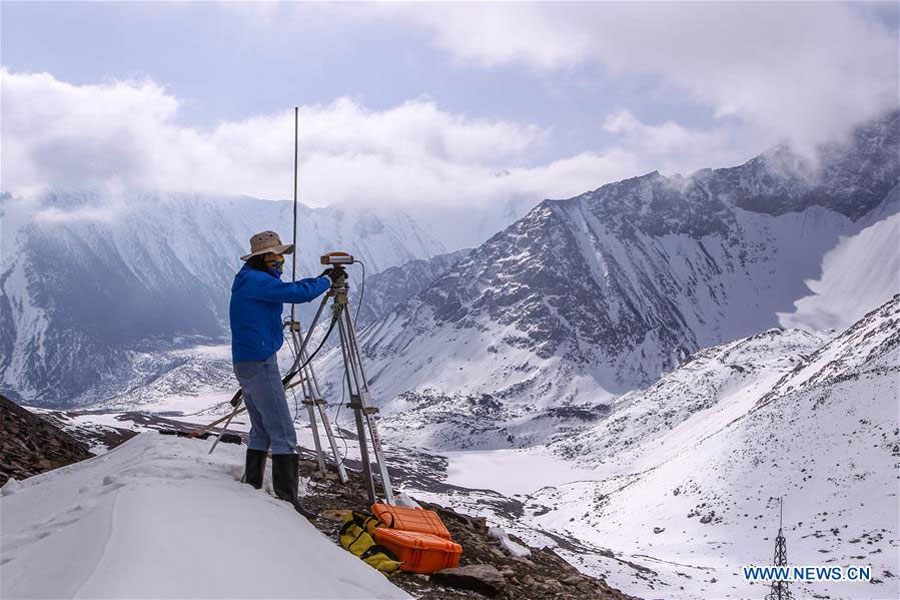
296	152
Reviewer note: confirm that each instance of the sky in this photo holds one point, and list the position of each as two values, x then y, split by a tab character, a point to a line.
473	104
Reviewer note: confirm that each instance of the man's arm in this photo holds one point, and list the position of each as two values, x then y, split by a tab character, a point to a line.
271	289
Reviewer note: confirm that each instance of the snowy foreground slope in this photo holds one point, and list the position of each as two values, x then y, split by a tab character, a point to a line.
159	518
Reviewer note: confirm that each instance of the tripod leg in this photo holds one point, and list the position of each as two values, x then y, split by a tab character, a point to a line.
224	428
326	425
312	326
355	404
339	463
313	396
309	400
365	401
320	454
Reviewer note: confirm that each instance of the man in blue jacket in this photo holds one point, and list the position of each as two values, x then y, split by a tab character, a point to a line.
257	301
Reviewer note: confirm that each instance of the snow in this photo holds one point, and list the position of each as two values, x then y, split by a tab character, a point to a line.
170	258
403	499
160	518
860	273
514	548
512	471
693	499
10	487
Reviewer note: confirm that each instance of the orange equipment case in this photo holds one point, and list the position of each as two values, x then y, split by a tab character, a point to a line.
410	519
420	552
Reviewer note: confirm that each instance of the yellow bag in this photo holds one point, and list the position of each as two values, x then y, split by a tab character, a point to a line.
356	538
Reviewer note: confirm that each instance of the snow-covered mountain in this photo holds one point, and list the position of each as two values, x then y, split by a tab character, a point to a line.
685	476
386	290
587	298
723	383
88	280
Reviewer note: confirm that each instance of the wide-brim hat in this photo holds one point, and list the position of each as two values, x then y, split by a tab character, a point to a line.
267	241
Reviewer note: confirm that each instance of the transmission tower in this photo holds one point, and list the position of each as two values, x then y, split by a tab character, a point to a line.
780	589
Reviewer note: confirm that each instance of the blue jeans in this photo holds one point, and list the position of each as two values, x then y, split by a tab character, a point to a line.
270	419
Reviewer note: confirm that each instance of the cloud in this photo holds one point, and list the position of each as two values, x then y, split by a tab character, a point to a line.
672	147
805	71
127	133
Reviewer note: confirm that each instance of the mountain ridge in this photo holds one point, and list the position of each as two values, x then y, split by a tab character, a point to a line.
86	275
586	298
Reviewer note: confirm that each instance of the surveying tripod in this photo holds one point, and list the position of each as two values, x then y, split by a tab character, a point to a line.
354	376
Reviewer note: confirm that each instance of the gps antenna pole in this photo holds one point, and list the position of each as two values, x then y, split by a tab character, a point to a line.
294	255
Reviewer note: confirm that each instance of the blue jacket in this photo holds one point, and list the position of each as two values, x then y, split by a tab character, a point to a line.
257	300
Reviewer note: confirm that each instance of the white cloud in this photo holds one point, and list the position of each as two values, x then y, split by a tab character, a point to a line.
806	71
671	147
126	133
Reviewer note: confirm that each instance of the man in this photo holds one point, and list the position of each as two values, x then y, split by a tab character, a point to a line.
257	301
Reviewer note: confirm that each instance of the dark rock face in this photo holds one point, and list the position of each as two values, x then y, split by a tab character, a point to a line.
852	178
30	444
385	290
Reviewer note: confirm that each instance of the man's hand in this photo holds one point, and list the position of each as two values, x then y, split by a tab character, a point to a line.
331	273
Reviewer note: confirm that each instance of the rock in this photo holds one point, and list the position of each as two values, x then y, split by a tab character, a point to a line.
31	444
528	580
658	529
485	579
523	560
573	580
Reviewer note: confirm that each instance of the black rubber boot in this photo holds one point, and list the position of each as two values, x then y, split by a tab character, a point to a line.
286	480
255	467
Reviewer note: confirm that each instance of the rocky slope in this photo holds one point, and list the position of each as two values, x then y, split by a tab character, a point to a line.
384	291
540	573
722	383
30	445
